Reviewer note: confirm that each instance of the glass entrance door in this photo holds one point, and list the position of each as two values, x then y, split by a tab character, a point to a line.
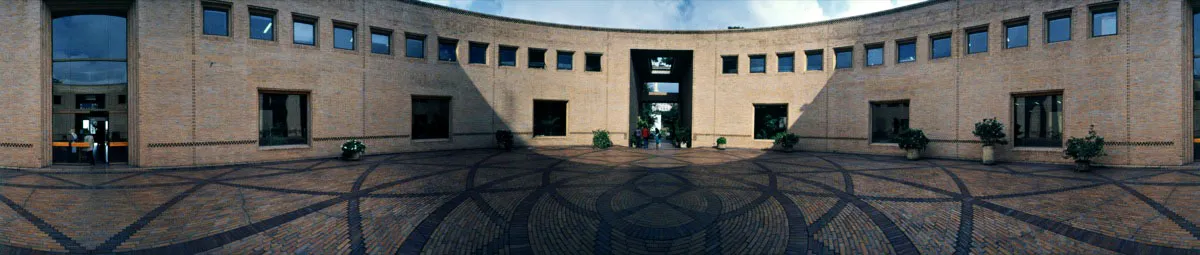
89	84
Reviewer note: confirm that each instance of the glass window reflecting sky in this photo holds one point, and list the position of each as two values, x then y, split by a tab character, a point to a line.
89	50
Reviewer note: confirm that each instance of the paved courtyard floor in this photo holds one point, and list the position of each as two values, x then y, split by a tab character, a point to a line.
618	201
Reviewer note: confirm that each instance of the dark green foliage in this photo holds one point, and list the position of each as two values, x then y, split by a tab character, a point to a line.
786	140
600	139
1087	148
990	132
354	146
505	139
911	139
720	140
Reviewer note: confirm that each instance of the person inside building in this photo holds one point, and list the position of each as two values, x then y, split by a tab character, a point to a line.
89	151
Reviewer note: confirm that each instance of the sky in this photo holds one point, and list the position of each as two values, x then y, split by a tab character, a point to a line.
675	14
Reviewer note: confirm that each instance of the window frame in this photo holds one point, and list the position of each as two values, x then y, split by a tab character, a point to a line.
418	37
215	6
263	12
347	26
871	117
454	45
846	49
1114	8
558	54
726	60
471	46
976	30
779	62
449	117
820	53
566	117
1055	15
933	38
529	53
599	67
751	58
867	57
1062	111
307	116
907	41
1009	24
500	55
754	125
386	33
311	21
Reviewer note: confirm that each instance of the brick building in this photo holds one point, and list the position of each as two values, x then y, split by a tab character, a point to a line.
180	83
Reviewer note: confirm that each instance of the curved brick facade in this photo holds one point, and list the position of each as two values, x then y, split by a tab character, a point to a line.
193	97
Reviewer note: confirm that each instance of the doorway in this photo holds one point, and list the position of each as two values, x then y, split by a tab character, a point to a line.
661	93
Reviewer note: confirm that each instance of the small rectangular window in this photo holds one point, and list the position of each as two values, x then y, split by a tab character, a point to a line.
414	45
122	99
262	24
815	60
977	40
381	41
843	58
758	63
769	120
343	36
1104	20
537	58
593	62
874	54
887	120
216	19
1038	120
549	118
1058	26
729	64
566	60
283	119
787	62
447	49
477	53
304	30
939	46
57	100
430	117
508	56
1016	33
906	50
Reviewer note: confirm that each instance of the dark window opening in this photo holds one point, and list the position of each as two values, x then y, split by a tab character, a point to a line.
122	99
815	60
537	58
566	60
758	63
787	62
414	45
216	20
843	58
729	64
508	56
769	119
1058	26
90	101
447	49
343	36
977	40
1104	20
262	24
939	46
549	118
874	54
431	118
283	119
304	30
1038	121
887	120
477	53
1016	34
906	51
593	62
57	100
381	42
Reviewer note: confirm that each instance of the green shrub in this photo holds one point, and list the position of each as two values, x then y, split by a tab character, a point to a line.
600	139
990	132
721	140
911	139
786	140
505	139
352	146
1087	148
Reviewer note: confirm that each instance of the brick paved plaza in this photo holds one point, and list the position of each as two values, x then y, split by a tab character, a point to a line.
618	201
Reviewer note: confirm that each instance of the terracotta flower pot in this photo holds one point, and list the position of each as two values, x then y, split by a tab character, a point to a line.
989	155
913	154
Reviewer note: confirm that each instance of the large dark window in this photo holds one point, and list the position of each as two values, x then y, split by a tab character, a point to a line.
769	119
843	58
216	20
815	60
787	62
414	45
977	40
431	117
906	51
887	120
537	58
262	24
304	30
1016	34
283	119
549	118
566	60
939	46
1104	20
508	56
729	64
343	36
1058	26
758	63
874	54
1038	120
447	49
89	76
477	53
593	62
381	41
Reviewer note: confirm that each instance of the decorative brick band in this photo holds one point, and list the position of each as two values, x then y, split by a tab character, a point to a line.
1141	144
16	145
370	137
198	144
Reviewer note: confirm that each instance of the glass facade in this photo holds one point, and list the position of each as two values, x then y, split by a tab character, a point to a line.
729	64
262	26
89	76
593	62
939	47
787	62
1196	80
508	56
477	53
887	120
906	51
448	50
1104	22
537	58
303	32
216	21
1038	121
769	119
843	58
875	55
381	43
758	63
343	37
815	60
566	60
1058	28
549	118
431	118
283	119
1016	35
977	41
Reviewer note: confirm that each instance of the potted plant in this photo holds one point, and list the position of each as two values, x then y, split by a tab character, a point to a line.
600	139
913	141
352	150
721	143
786	140
991	133
1083	150
504	138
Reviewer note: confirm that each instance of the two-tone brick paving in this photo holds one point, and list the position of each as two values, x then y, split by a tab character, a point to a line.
618	201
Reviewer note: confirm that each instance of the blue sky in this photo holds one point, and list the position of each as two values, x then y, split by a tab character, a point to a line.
675	14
